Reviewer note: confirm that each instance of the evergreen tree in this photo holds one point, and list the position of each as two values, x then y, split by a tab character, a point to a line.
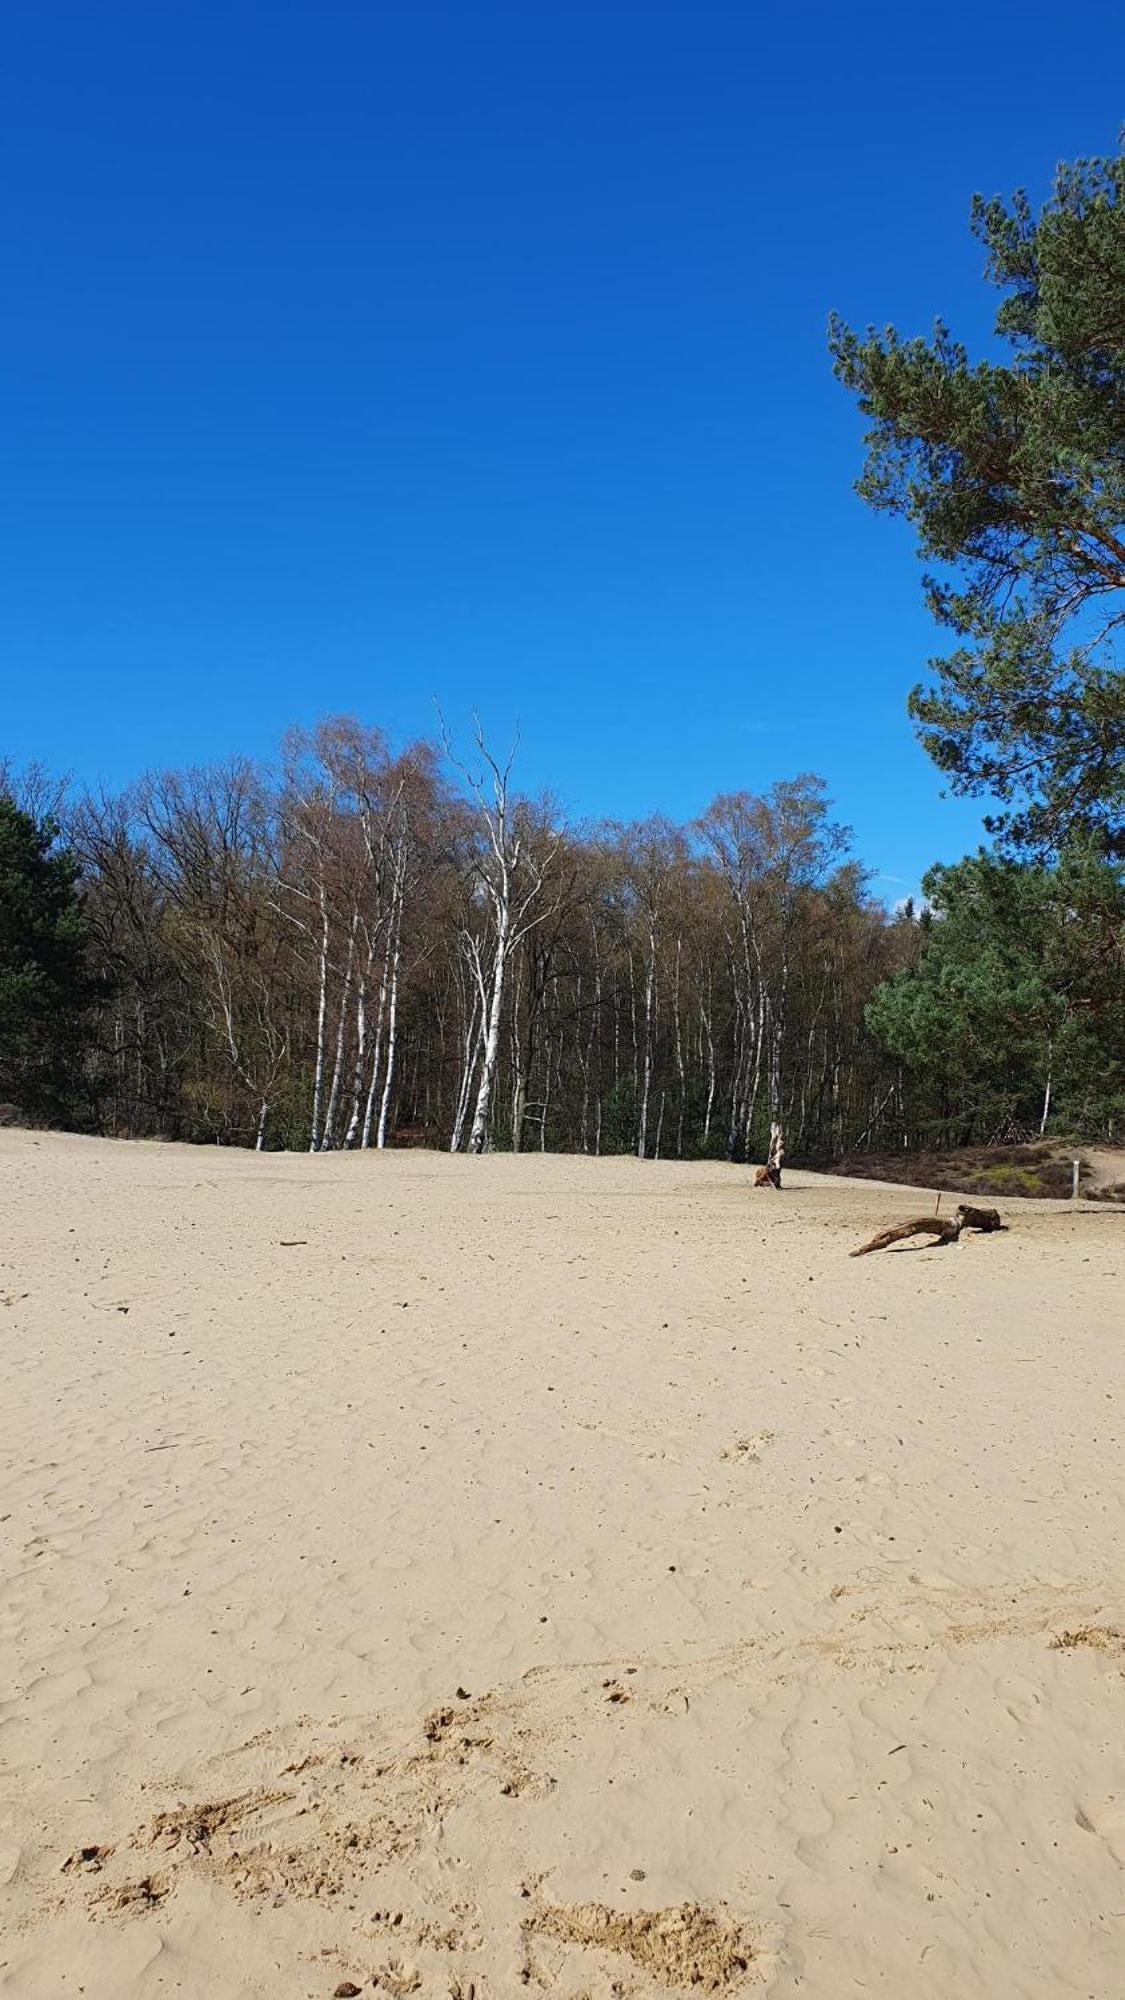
45	988
1014	1014
1013	473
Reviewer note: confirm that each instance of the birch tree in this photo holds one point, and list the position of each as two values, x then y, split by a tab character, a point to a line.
511	875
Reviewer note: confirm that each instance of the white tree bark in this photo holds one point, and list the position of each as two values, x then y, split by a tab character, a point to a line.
470	1049
360	1065
392	1024
329	1133
377	1047
1046	1112
321	1021
479	1131
646	1065
705	1023
512	879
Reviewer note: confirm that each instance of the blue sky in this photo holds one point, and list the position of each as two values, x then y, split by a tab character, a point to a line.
358	356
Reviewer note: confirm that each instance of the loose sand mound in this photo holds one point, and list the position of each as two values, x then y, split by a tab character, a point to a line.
551	1575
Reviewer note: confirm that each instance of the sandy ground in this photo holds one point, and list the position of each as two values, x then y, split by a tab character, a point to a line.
467	1578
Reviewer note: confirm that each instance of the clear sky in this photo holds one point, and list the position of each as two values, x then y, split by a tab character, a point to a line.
354	356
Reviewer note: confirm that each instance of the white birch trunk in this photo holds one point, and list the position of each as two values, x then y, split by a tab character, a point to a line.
468	1071
329	1132
705	1022
321	1020
360	1067
479	1132
377	1046
389	1073
519	1080
471	1050
646	1083
680	1069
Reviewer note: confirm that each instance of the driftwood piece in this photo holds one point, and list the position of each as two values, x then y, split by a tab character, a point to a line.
942	1229
984	1219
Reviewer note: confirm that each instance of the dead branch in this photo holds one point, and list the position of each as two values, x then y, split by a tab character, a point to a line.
943	1230
984	1219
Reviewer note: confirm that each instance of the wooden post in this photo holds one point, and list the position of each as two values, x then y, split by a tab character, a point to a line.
1075	1167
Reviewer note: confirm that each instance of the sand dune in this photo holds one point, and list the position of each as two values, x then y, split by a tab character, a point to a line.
464	1578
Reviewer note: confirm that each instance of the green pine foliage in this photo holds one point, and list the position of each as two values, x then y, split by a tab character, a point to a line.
45	989
1012	472
1013	1018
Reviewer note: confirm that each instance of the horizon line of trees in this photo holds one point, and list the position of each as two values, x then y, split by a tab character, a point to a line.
354	946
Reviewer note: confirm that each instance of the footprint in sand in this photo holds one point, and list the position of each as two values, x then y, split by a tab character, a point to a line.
1106	1818
1023	1701
399	1979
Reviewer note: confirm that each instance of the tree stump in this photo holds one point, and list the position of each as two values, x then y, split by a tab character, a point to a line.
770	1174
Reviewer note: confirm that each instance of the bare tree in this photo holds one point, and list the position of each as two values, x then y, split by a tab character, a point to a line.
211	838
342	949
511	870
652	852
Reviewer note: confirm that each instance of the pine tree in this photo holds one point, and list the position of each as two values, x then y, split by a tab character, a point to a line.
45	989
1013	474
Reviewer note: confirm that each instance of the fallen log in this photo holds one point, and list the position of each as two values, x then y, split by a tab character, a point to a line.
984	1219
942	1229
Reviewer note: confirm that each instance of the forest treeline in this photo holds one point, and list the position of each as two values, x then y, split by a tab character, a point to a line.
358	946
